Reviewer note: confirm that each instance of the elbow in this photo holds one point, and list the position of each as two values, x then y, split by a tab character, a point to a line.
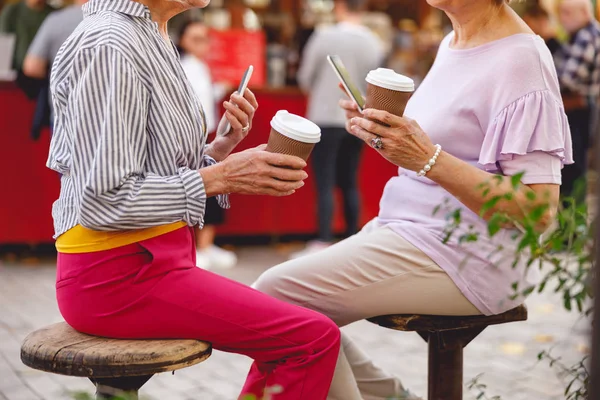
32	69
546	221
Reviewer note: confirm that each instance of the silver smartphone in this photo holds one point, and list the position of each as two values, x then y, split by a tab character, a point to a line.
224	126
344	77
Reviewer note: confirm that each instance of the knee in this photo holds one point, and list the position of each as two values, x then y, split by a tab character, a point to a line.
328	336
271	282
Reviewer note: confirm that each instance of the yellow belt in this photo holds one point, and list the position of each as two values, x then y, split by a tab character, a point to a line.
82	240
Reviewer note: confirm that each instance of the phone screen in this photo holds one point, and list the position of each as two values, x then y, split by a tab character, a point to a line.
344	76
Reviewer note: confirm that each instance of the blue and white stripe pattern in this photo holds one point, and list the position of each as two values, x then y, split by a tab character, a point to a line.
129	132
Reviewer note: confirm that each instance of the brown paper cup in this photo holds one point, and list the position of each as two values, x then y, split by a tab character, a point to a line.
282	144
392	101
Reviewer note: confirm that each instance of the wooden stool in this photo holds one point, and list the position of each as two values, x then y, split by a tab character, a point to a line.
447	336
114	366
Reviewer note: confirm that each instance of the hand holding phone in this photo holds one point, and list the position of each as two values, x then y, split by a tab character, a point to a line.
344	76
224	126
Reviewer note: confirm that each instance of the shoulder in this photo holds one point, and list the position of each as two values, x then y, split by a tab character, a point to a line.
56	16
116	29
53	20
117	33
524	65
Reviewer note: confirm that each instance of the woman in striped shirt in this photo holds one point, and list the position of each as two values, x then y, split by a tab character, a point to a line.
129	142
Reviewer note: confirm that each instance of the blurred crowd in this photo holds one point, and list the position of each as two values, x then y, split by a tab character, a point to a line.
577	59
569	28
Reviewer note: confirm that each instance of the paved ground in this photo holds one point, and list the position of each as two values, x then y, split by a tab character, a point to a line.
506	355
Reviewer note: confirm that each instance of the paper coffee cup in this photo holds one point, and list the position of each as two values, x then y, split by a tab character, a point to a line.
293	135
388	91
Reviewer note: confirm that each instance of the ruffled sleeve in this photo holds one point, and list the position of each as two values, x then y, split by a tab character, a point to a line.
535	122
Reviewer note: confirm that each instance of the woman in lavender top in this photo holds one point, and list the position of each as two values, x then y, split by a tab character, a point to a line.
490	106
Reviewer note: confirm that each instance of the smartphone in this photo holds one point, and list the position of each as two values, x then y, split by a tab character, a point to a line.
224	126
344	77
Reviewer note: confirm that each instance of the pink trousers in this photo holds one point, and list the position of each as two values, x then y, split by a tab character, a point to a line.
153	289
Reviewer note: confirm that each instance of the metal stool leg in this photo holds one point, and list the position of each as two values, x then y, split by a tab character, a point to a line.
107	388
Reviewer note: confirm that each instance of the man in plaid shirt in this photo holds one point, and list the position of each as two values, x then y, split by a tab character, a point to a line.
578	67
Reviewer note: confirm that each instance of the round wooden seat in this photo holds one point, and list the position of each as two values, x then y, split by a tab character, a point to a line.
446	337
434	323
62	350
115	366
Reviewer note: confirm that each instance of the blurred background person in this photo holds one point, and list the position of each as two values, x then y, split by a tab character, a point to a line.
52	34
41	53
194	45
23	19
336	158
578	67
541	23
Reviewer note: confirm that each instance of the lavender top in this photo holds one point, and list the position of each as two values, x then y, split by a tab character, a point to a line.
497	107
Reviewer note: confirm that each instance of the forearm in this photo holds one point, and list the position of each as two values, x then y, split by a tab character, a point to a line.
214	180
475	188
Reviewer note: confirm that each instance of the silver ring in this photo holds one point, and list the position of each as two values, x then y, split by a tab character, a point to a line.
246	128
377	143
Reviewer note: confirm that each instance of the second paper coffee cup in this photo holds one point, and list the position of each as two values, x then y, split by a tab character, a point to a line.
388	91
293	135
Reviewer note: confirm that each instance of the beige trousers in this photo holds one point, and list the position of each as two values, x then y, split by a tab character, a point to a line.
375	272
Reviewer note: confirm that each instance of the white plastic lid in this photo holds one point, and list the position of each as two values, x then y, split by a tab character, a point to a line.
389	79
296	127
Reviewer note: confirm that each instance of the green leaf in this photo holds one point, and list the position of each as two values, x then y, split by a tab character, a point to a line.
568	388
488	205
542	286
530	195
469	237
538	212
499	179
528	291
579	302
567	300
436	210
515	180
495	224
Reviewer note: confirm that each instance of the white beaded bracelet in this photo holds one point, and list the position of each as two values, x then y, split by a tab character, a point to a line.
431	163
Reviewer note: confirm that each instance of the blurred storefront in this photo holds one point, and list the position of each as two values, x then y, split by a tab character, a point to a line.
270	34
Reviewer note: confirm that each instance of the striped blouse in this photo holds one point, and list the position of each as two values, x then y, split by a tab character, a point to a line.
129	134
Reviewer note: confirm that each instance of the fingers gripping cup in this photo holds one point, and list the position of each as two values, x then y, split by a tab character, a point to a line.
388	91
293	135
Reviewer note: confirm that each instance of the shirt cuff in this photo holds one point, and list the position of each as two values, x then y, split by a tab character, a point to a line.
195	195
